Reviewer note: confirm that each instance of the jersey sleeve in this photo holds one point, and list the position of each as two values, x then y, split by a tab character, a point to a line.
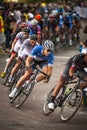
35	50
51	60
76	60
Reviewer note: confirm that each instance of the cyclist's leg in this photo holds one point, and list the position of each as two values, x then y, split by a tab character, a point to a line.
14	69
57	88
20	82
83	84
13	55
41	76
64	76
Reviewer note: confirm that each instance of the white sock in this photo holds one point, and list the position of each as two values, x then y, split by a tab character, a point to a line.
35	81
15	89
5	69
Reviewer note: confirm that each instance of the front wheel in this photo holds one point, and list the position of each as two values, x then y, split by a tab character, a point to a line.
27	89
46	110
71	105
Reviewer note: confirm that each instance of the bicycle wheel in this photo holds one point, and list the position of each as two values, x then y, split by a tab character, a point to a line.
8	72
71	105
6	78
46	110
27	89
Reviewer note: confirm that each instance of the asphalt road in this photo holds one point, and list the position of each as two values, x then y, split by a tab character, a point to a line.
30	115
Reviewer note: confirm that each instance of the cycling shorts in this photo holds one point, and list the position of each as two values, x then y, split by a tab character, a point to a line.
17	46
65	72
23	54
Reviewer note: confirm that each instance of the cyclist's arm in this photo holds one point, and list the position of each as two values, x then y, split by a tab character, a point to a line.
50	68
71	71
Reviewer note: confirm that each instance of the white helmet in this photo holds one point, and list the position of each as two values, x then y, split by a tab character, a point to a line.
48	44
84	51
54	12
31	16
34	22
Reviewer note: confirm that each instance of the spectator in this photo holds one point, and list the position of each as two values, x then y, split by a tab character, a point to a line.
10	23
2	29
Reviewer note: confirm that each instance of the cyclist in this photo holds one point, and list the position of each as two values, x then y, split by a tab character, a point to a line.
20	24
20	37
35	29
38	17
42	56
24	51
51	29
83	45
52	24
76	63
68	23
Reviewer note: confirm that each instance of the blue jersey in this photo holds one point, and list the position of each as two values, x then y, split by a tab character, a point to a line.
61	21
35	30
36	53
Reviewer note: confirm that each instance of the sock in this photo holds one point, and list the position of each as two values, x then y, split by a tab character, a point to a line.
35	81
5	69
10	78
15	89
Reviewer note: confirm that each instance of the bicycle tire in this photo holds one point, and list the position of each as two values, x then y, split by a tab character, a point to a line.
8	72
15	97
69	109
16	78
22	97
6	78
46	110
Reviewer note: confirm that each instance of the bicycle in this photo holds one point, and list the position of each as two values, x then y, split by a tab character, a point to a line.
8	72
26	88
16	76
70	102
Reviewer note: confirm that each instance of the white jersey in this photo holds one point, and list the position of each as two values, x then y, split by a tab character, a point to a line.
25	49
20	39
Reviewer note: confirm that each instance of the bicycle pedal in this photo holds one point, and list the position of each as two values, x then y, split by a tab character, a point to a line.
60	104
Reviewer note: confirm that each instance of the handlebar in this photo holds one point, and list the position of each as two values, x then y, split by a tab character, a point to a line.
38	69
81	75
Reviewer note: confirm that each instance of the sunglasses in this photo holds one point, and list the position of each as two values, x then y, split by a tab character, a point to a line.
49	50
26	33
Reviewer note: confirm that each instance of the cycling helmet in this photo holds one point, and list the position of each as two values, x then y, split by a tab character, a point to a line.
33	37
84	51
48	44
51	16
54	13
38	17
26	29
31	16
1	7
34	22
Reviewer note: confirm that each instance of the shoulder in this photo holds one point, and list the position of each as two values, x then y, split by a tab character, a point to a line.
38	48
51	56
77	57
20	33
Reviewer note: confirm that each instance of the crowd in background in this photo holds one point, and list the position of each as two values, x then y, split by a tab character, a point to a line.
10	13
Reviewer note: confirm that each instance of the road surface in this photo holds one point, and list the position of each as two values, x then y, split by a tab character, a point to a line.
30	116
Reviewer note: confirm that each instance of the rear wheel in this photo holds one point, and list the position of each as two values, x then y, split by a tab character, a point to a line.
71	105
